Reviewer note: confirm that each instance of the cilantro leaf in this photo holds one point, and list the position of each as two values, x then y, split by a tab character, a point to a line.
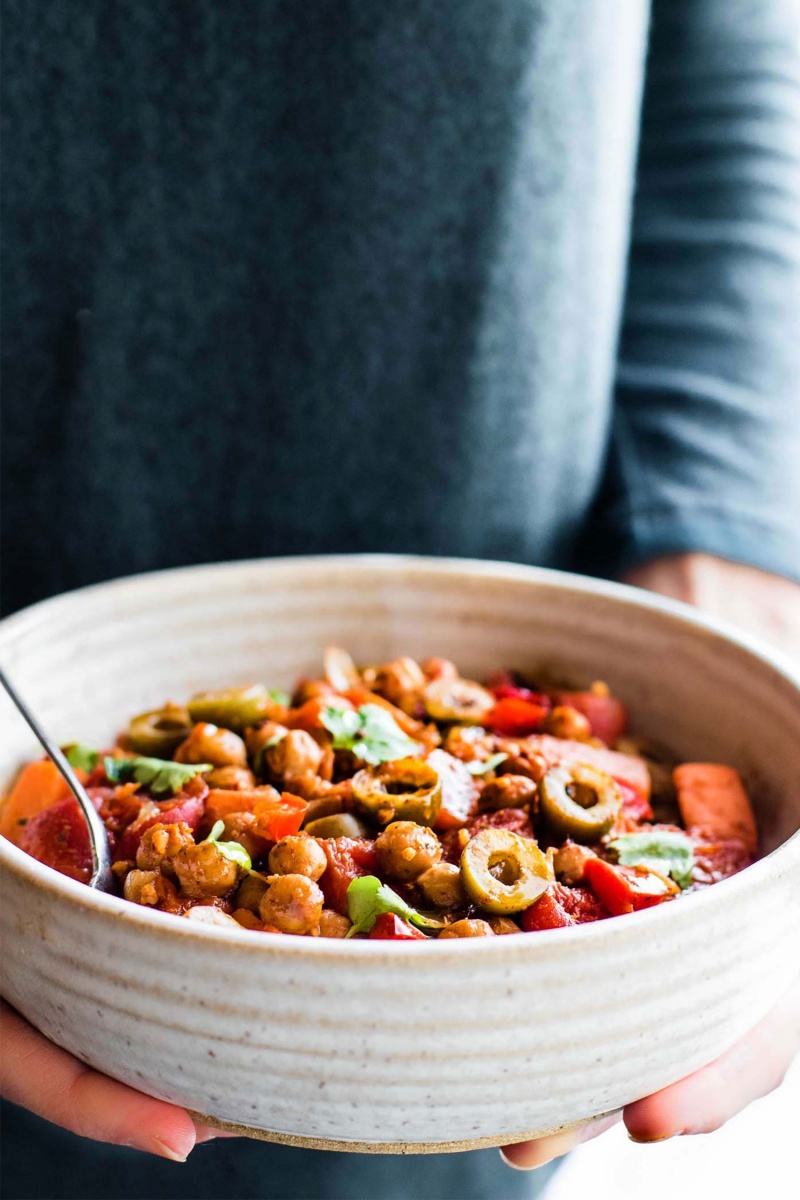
159	774
280	696
367	898
372	733
671	853
483	768
233	851
81	757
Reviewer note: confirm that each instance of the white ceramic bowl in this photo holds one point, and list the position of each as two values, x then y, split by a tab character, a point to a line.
374	1045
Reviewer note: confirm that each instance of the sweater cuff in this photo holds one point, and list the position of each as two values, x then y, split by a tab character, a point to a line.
626	538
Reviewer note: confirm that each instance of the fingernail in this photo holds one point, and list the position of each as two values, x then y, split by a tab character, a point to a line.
161	1148
659	1137
509	1163
551	1147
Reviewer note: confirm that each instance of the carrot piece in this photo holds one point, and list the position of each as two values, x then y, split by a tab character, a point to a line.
711	797
39	786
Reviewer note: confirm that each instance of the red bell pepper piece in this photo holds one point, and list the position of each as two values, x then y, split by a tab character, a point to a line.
626	889
514	717
276	819
391	928
607	716
561	906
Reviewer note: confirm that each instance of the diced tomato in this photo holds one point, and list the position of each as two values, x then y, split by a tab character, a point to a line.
276	819
514	717
634	804
626	889
625	768
561	906
459	790
716	860
348	858
59	837
607	716
514	819
167	812
391	928
511	691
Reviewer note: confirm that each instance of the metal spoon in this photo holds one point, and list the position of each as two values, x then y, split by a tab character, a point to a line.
102	877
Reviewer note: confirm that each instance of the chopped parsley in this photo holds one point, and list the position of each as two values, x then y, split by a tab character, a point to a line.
159	774
371	733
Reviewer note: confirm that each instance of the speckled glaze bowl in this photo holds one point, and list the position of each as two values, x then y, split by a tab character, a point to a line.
375	1045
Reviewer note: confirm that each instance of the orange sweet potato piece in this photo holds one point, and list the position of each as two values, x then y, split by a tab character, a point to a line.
711	797
39	786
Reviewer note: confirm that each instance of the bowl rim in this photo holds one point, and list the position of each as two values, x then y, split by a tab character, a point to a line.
64	889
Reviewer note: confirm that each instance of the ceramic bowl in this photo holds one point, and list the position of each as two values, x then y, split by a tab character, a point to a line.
382	1046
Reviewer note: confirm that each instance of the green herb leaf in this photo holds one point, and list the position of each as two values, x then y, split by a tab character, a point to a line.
158	774
661	850
233	851
279	696
372	733
367	898
483	768
80	757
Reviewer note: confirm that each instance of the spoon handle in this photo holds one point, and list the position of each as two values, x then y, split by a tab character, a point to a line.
102	877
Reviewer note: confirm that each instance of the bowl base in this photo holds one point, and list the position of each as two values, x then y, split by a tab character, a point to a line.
311	1143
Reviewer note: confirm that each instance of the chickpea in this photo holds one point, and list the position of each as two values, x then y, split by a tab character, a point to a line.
249	893
148	887
292	903
294	757
502	925
522	760
442	887
406	849
298	854
467	928
159	845
509	791
208	743
439	668
400	682
570	862
203	871
333	924
462	743
242	827
256	738
566	722
231	779
312	689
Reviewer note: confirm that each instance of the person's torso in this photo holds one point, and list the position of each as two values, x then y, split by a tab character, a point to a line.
336	276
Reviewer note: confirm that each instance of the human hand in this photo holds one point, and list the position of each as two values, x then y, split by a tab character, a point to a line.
769	606
48	1081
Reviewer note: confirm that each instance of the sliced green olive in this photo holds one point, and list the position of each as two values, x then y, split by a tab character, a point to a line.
503	872
232	708
158	733
579	802
405	790
457	700
337	825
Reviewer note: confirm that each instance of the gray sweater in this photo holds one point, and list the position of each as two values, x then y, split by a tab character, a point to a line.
284	277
